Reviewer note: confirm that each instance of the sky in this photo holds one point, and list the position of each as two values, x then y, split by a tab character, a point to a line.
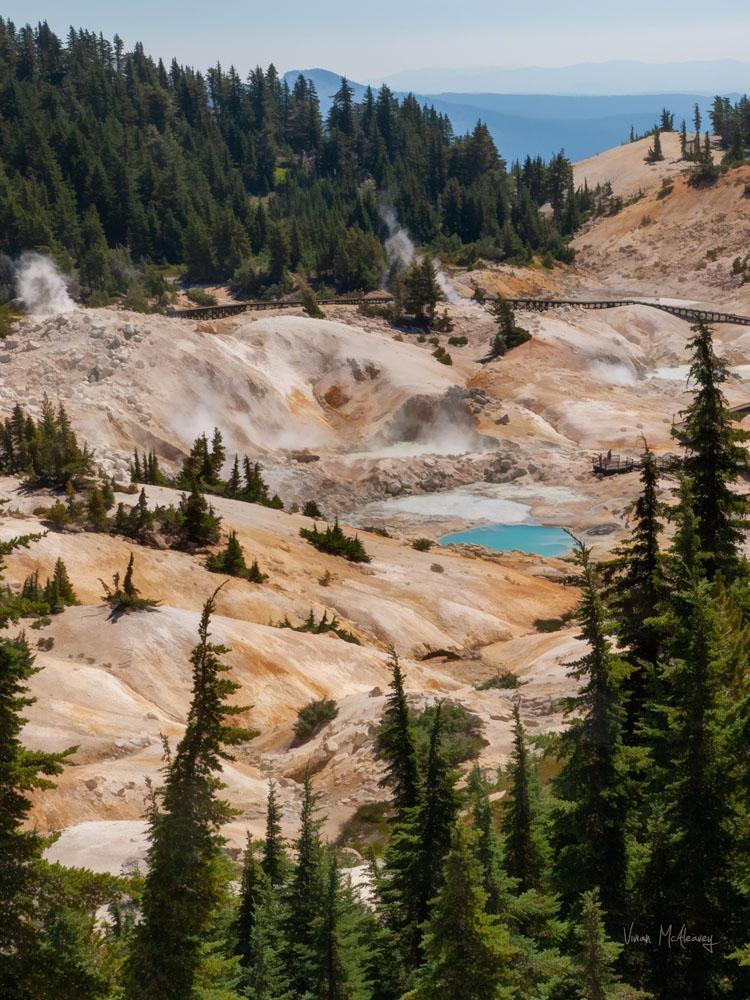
370	41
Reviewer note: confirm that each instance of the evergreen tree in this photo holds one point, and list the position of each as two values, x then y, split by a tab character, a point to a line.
421	289
715	458
495	882
304	900
525	853
597	954
22	772
636	590
693	802
508	335
96	511
275	862
396	744
654	154
234	483
184	885
468	953
199	524
590	818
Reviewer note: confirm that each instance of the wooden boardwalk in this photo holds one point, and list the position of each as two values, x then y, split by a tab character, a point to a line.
257	305
683	312
687	313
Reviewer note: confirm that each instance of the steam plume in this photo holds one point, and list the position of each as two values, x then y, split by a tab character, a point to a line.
400	250
40	286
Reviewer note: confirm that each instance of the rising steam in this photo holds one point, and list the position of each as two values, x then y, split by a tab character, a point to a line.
40	286
400	250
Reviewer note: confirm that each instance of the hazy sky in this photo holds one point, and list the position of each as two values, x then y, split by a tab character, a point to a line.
366	40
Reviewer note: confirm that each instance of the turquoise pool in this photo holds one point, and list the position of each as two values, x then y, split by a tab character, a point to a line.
535	538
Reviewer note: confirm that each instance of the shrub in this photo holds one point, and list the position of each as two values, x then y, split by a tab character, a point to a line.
311	509
503	682
462	737
422	544
548	624
374	530
310	303
313	718
321	627
201	297
441	355
334	542
231	561
125	598
458	341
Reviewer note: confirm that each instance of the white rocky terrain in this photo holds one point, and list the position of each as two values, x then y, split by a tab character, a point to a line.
367	422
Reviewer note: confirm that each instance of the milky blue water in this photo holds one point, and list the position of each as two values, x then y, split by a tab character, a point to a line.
536	538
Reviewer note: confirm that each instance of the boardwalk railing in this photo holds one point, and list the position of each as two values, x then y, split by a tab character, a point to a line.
219	312
683	312
612	465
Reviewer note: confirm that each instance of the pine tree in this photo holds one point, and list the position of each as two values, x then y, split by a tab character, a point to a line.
467	952
525	849
716	457
396	744
184	884
590	818
22	772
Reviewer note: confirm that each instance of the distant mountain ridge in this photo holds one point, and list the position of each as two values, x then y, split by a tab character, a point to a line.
613	77
539	124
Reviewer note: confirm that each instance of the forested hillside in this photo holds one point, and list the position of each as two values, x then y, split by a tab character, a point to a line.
102	148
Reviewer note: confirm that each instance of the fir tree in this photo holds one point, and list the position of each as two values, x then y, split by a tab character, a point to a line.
496	883
274	861
636	590
525	854
184	884
597	954
716	457
96	512
199	524
304	900
694	794
22	772
234	483
590	819
396	744
467	952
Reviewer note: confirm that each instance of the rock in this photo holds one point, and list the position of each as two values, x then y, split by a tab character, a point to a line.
4	359
375	693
